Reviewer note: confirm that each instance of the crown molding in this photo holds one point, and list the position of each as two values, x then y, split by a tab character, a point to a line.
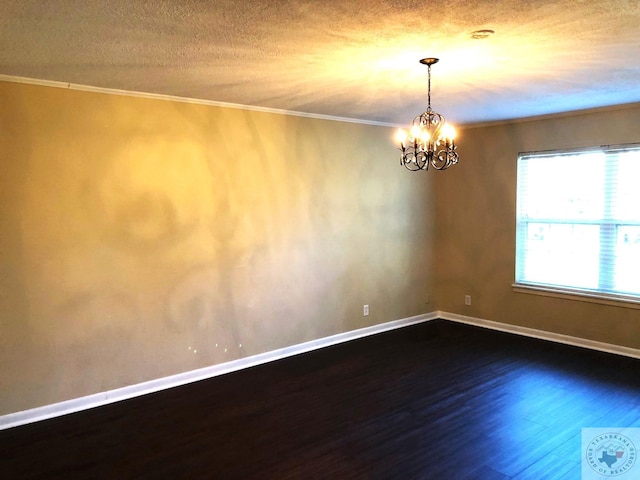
197	101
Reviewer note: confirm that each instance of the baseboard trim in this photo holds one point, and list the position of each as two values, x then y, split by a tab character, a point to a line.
91	401
542	334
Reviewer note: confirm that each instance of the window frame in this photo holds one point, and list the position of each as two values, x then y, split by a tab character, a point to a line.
602	294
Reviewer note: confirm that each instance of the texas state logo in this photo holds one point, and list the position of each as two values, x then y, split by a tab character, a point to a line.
610	453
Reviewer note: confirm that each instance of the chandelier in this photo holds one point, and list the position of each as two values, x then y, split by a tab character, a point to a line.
430	142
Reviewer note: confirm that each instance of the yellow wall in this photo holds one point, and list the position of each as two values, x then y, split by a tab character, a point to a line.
141	238
475	227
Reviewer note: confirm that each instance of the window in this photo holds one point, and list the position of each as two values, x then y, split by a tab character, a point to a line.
578	220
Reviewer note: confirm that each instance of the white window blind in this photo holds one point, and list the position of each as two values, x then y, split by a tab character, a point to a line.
578	220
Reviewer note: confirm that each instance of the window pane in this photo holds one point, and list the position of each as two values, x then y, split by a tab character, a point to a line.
562	254
626	198
563	187
627	269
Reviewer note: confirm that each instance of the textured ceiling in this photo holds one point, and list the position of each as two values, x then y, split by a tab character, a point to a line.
356	59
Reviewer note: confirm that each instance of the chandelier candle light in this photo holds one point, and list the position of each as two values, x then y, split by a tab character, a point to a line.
430	142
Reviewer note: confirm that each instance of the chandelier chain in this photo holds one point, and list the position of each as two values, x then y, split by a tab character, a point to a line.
429	89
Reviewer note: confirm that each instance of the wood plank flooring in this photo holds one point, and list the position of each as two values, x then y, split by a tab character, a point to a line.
438	400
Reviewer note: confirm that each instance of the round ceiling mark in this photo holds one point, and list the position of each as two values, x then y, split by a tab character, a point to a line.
482	34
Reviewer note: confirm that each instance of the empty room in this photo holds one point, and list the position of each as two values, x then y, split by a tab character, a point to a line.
340	239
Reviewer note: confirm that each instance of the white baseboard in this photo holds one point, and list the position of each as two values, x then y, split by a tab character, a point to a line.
90	401
542	334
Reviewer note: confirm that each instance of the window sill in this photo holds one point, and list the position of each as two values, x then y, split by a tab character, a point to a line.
578	295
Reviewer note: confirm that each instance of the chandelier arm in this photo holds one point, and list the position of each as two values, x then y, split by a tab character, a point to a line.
415	159
445	158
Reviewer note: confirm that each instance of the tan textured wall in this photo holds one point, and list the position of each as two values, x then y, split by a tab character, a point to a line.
141	238
475	227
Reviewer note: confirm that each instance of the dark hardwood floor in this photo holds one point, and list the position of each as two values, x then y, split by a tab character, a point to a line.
438	400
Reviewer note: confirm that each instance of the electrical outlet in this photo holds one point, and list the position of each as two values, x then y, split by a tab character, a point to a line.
467	299
365	310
